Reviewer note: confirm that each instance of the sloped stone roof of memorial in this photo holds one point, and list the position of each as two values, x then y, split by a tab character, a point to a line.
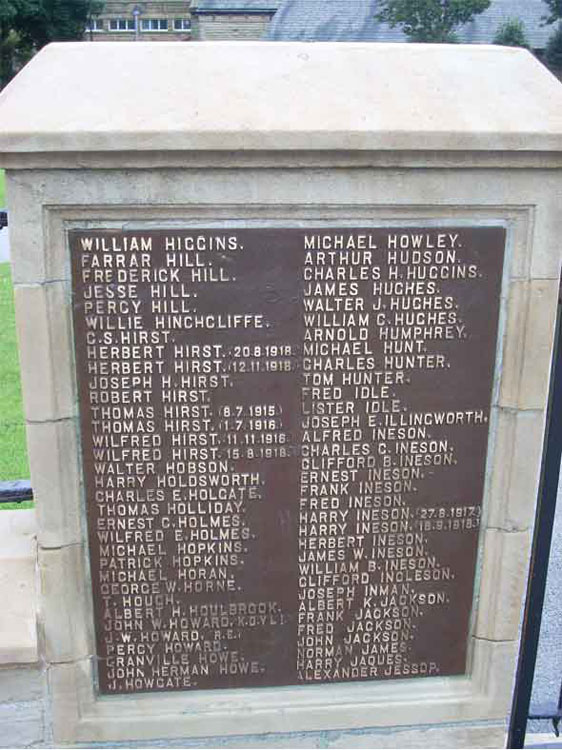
284	96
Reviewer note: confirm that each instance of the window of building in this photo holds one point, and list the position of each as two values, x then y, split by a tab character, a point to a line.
182	24
96	24
121	24
154	24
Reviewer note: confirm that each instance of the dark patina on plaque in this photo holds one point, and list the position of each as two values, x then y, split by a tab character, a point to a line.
284	437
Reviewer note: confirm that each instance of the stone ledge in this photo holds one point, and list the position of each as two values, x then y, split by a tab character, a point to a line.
21	684
22	725
445	736
18	590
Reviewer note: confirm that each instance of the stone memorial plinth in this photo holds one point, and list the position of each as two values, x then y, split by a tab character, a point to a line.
285	316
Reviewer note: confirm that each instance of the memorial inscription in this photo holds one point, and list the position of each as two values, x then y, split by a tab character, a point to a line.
284	437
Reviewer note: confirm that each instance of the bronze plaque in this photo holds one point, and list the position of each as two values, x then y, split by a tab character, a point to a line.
284	437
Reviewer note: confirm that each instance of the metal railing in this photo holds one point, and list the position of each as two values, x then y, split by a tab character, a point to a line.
542	539
16	491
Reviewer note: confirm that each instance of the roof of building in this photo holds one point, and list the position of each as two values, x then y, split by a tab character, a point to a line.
324	20
531	12
354	20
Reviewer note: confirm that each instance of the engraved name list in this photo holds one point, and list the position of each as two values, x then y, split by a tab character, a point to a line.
284	437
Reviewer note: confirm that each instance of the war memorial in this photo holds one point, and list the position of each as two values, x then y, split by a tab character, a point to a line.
285	326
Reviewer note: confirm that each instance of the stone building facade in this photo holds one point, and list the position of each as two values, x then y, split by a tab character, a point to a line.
146	20
214	20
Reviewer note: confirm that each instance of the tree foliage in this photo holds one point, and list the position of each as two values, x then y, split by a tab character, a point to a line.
553	51
555	8
430	20
27	25
511	33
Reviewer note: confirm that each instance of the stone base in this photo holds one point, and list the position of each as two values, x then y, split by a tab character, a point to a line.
18	591
23	720
459	736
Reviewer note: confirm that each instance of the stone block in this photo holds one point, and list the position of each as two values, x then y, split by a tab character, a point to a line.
21	684
63	690
57	258
528	349
546	251
539	333
43	326
519	243
64	581
516	314
505	562
26	229
291	106
53	456
494	664
517	445
528	337
18	591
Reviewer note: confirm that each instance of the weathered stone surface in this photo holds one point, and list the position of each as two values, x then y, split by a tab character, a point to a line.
26	232
53	455
21	684
517	443
490	735
22	725
65	637
18	591
504	568
43	325
531	310
276	97
535	374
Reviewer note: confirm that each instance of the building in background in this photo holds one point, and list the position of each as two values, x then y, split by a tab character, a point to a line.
231	19
483	28
147	20
307	20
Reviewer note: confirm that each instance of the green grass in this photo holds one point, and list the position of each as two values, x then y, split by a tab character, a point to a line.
13	454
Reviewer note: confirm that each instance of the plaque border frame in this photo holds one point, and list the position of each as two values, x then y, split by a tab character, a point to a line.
492	421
